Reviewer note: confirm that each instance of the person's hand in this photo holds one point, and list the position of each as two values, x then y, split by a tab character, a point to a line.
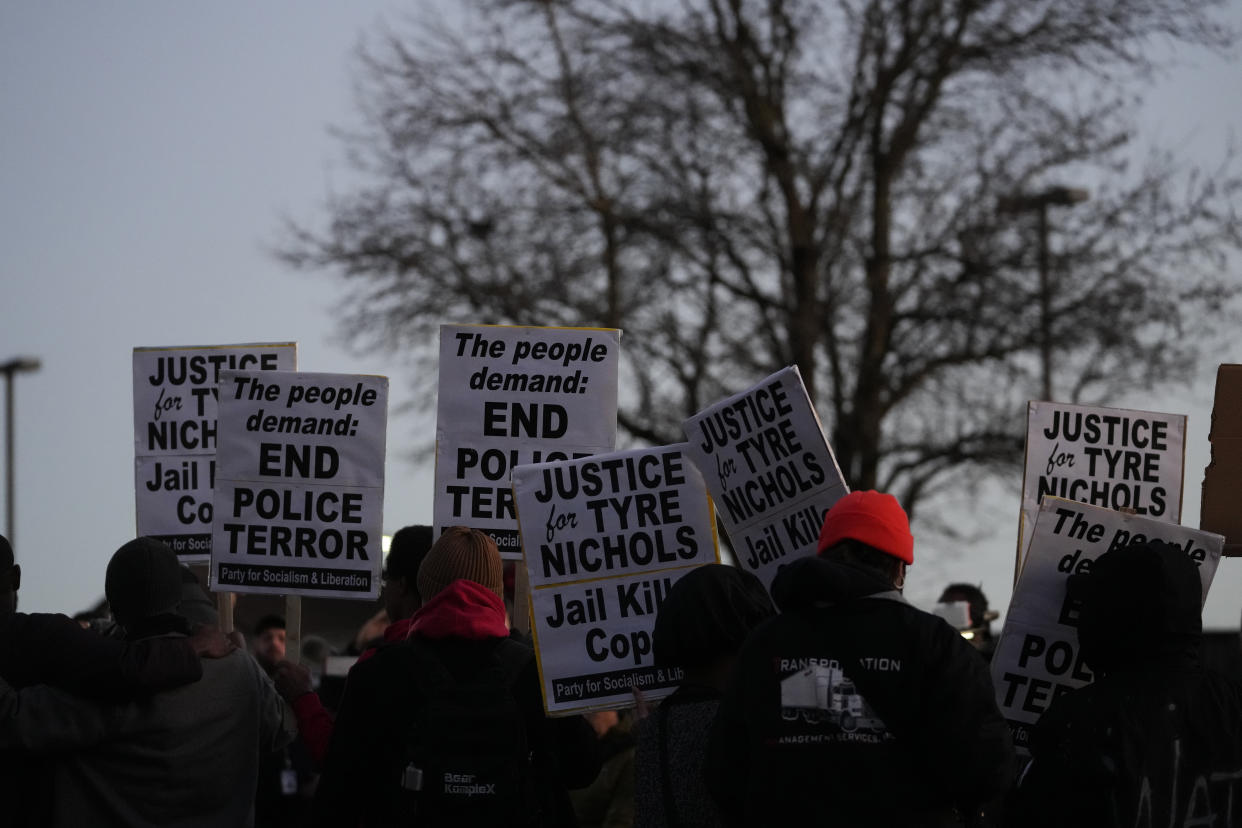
209	642
292	680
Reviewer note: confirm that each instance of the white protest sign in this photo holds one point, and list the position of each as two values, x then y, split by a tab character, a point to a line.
605	537
768	466
1109	457
1037	657
300	484
175	436
510	396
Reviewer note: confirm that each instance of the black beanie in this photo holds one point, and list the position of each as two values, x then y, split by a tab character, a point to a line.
143	580
707	615
406	552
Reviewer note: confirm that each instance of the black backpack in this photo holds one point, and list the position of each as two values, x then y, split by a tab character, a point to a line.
468	759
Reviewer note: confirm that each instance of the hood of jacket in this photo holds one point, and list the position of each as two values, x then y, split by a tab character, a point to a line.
463	609
398	630
809	582
394	633
1139	609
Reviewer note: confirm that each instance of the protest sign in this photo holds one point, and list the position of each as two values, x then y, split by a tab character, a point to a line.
300	484
1037	657
605	539
1124	460
175	436
765	460
510	396
1221	507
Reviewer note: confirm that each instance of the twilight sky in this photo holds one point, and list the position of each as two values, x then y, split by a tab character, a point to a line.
149	152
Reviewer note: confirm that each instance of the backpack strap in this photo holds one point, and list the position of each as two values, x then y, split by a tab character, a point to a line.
513	657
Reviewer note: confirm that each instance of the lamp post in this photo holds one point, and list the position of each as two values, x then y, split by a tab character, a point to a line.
1039	203
14	366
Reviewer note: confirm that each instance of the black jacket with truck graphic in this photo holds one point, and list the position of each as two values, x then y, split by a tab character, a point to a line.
853	707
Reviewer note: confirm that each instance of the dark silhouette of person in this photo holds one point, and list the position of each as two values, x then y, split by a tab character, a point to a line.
853	707
1155	739
55	650
698	631
979	631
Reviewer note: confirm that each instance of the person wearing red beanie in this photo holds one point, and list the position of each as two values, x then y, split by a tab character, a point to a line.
873	518
852	706
870	530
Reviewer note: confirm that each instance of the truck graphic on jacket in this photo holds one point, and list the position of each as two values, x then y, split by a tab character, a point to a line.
822	692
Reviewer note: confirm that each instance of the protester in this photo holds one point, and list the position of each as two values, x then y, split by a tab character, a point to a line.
400	594
286	775
700	627
1155	739
608	802
452	719
268	643
979	628
401	600
183	757
56	650
10	579
852	707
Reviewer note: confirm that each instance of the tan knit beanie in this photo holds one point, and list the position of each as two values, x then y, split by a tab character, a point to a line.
461	553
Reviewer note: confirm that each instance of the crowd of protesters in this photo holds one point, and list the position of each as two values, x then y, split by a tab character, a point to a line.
826	700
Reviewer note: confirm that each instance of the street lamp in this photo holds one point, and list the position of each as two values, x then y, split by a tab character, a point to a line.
1039	203
17	365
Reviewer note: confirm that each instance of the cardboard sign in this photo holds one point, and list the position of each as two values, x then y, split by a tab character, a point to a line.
175	436
300	484
1221	508
1123	460
770	470
605	538
1037	657
510	396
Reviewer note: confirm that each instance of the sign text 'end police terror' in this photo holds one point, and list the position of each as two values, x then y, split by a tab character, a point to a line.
320	508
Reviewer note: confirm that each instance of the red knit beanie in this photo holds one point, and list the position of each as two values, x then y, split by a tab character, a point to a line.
869	517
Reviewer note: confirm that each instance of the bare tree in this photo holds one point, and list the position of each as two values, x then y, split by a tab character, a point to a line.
745	185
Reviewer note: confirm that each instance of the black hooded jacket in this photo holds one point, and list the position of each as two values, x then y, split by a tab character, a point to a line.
853	707
1155	740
